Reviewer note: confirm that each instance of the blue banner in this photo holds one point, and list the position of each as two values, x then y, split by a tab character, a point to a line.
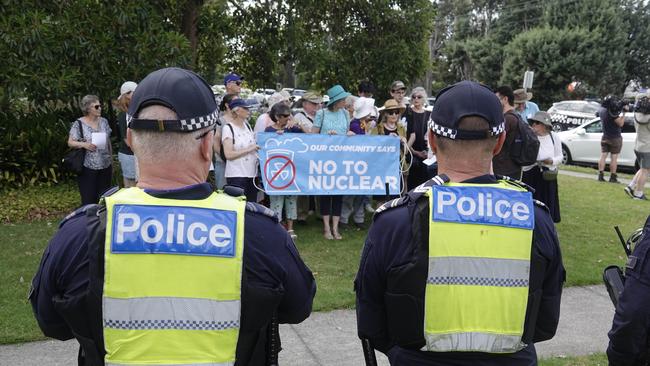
483	205
315	164
173	230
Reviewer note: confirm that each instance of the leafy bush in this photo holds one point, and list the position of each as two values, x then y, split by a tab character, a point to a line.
38	202
33	141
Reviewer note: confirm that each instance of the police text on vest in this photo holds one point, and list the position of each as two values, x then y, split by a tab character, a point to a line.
173	230
483	205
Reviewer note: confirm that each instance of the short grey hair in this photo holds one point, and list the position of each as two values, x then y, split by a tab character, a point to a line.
153	146
420	90
86	101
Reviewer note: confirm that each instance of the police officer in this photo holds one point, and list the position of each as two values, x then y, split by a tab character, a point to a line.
629	339
169	272
466	268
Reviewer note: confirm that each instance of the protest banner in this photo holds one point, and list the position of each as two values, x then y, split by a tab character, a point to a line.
315	164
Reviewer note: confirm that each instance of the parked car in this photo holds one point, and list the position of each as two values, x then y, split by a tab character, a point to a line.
582	145
572	113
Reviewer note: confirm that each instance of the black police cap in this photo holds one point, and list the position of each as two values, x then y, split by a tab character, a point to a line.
464	99
183	91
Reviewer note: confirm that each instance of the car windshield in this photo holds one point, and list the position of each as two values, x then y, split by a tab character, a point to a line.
591	108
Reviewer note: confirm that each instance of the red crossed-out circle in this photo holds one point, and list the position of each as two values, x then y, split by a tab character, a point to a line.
287	163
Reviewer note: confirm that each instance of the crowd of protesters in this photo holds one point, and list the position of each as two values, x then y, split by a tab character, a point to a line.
337	112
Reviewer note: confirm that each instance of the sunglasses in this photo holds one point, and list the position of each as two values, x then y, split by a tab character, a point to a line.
398	90
97	106
416	97
284	115
392	112
238	82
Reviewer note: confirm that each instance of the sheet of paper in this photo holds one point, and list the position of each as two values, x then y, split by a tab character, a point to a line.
430	160
99	139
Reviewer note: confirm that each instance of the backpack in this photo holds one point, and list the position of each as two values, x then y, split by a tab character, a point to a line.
223	154
525	146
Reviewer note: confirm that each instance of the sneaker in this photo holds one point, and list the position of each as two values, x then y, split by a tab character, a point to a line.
369	208
292	234
601	176
628	190
612	178
640	198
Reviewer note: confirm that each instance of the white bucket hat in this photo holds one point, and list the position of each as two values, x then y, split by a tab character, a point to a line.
364	107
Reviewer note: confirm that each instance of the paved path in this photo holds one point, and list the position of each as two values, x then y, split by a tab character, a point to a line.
330	338
594	176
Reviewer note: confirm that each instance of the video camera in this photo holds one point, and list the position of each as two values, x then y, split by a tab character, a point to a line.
615	105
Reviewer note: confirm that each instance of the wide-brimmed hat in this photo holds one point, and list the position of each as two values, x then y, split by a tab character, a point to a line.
464	99
521	96
180	90
313	97
127	87
336	93
278	97
543	118
391	104
364	107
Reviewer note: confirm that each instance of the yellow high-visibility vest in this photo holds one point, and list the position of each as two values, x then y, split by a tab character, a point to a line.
480	240
172	279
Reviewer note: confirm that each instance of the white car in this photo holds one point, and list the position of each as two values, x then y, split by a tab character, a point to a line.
582	144
572	113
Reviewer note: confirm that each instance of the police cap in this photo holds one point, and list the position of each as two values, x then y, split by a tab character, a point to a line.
464	99
183	91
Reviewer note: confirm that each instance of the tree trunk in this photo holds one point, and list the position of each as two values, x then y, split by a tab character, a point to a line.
189	24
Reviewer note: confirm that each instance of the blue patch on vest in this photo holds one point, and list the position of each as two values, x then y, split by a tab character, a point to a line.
483	206
173	230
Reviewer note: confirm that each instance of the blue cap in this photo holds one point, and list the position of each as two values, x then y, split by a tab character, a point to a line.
463	99
183	91
232	77
238	103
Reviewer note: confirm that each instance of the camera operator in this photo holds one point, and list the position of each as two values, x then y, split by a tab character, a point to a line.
611	116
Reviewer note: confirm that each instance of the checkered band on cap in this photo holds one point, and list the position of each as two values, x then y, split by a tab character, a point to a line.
451	133
198	123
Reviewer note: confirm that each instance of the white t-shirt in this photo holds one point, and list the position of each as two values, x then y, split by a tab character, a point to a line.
245	166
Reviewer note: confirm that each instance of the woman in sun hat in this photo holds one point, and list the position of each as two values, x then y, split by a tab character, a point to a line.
333	120
543	175
389	126
124	153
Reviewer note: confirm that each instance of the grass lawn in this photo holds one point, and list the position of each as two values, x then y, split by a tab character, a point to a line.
599	359
589	211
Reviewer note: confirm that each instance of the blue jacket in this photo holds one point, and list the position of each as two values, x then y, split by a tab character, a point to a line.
628	339
386	248
271	263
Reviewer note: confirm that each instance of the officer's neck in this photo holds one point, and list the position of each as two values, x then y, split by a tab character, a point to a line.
164	176
462	170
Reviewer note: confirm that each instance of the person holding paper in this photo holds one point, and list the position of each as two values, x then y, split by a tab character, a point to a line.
92	132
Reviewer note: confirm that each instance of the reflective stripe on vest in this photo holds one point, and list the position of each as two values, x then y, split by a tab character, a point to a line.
172	279
480	239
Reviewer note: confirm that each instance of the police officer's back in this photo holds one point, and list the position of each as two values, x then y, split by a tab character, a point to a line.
629	338
170	272
466	269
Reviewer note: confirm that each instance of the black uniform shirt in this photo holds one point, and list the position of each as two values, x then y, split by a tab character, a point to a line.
386	248
628	339
271	261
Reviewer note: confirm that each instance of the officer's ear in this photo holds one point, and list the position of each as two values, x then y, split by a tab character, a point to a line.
500	140
432	141
206	146
128	138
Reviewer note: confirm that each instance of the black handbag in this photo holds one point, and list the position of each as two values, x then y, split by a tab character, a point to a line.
73	160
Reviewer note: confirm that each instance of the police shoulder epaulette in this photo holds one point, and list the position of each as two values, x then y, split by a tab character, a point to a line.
515	182
80	211
542	205
257	208
391	204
